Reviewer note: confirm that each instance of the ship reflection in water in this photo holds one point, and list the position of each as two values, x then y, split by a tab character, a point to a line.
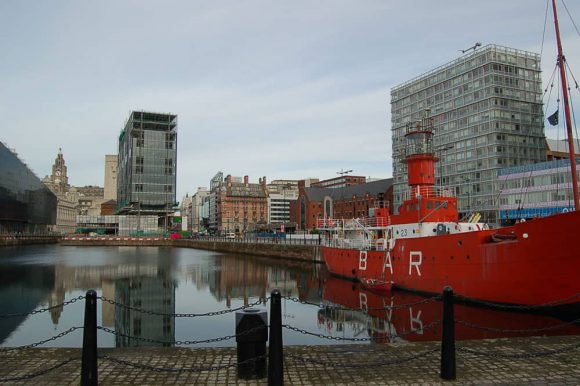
403	316
166	281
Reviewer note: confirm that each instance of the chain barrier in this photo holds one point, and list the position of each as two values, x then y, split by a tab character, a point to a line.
422	329
181	315
385	308
177	369
31	345
491	329
41	310
520	356
182	342
322	336
514	306
339	338
38	373
363	365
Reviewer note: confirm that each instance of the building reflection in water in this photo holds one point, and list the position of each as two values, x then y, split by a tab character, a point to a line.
22	290
155	294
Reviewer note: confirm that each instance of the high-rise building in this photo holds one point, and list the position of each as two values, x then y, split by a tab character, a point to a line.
110	186
487	111
146	175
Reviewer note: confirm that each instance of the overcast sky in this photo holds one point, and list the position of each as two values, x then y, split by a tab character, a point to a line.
283	89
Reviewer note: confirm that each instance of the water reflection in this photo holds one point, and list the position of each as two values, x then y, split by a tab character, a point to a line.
166	281
404	316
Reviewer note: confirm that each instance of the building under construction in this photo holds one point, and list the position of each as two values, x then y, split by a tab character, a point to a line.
147	165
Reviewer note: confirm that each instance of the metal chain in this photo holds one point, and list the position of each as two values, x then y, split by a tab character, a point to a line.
329	337
31	345
38	373
363	365
479	327
520	356
426	328
181	315
183	342
65	303
178	369
385	308
516	307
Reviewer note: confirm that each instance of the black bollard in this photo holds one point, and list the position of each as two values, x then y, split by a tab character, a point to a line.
252	334
448	336
275	351
89	375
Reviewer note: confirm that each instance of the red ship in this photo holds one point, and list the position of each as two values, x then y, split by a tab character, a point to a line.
425	247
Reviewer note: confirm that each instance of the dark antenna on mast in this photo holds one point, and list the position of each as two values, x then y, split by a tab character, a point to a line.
474	47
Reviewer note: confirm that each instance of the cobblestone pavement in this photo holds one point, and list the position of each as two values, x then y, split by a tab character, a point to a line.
520	361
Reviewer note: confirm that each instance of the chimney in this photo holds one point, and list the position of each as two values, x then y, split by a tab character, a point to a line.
229	180
264	182
246	180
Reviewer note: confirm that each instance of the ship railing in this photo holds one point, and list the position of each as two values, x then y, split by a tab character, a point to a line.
349	243
428	191
329	223
355	223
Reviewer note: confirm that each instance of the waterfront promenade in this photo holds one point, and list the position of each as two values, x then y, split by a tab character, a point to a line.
519	361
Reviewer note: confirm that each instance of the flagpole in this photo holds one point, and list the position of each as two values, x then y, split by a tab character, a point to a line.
561	64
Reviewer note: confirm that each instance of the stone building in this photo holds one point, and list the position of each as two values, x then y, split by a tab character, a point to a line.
57	182
241	206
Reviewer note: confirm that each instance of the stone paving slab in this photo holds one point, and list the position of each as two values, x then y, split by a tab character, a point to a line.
540	361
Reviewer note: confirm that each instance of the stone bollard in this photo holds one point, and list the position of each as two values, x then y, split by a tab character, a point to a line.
251	345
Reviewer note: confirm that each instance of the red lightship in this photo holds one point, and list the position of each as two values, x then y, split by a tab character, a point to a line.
425	247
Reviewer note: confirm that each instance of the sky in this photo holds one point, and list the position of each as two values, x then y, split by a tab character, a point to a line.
282	89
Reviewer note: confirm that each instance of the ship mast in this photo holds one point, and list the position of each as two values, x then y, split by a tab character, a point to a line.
561	64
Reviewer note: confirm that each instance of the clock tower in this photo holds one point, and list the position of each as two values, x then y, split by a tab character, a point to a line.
59	177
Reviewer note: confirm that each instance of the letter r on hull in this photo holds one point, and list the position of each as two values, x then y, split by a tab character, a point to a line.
415	260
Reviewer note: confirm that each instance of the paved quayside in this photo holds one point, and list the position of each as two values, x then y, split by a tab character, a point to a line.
537	361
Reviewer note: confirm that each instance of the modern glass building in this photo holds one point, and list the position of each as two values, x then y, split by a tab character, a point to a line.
26	204
536	190
146	172
487	110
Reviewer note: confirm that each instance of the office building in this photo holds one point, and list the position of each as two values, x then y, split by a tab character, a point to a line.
487	111
280	194
26	204
146	174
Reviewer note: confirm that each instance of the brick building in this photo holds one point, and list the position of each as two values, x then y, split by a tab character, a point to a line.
348	202
241	206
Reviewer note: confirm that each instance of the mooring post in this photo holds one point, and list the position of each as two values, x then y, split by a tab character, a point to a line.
89	375
448	336
251	337
275	351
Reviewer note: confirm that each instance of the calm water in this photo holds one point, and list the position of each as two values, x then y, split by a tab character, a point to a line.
180	280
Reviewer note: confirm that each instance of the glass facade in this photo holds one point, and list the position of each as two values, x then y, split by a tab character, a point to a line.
146	175
487	111
26	204
536	190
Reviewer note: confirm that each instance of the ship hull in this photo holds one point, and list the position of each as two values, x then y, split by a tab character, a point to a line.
531	263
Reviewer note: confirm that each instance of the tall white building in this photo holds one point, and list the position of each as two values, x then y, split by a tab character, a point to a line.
280	194
487	111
